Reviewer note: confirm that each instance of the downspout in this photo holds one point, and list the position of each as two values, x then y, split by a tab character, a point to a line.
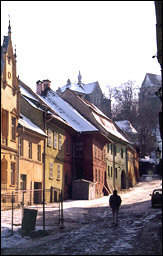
114	165
44	153
127	167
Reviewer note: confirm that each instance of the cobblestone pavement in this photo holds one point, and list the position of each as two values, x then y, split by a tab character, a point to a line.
89	231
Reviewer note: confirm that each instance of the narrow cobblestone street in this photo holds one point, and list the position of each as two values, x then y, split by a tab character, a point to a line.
89	230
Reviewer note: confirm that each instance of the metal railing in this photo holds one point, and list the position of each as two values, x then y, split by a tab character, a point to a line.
48	211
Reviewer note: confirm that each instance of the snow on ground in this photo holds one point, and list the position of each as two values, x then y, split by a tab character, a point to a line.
137	194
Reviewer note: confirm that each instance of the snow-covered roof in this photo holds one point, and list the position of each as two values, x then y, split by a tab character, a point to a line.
26	93
126	126
80	87
151	80
109	126
27	123
31	103
67	112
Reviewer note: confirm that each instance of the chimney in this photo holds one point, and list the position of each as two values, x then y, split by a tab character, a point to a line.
38	87
42	86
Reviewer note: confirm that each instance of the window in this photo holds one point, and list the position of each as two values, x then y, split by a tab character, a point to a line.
49	142
21	145
111	147
50	170
23	182
13	128
4	165
95	151
59	141
115	150
39	152
79	149
109	171
96	176
99	176
30	150
121	152
66	179
58	172
9	60
55	140
116	172
67	146
99	154
12	173
4	125
107	148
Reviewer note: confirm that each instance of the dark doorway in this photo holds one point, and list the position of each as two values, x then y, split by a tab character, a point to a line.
37	192
52	194
123	180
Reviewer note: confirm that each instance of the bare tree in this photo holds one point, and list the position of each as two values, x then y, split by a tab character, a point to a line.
126	102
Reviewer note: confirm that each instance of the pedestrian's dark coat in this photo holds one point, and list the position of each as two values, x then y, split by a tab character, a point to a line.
115	201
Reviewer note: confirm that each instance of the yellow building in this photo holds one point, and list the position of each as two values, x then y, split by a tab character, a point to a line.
31	148
54	161
116	170
9	120
54	127
133	166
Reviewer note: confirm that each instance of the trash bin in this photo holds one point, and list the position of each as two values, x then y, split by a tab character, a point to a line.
29	220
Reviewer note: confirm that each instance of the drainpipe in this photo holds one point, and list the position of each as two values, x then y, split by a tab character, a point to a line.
44	120
127	167
114	165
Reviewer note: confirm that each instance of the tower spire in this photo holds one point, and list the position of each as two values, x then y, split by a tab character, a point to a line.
79	78
9	26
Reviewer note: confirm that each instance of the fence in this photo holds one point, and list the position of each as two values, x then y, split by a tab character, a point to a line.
48	203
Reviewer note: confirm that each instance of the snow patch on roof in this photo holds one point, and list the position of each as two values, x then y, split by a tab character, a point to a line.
126	126
82	88
27	123
67	112
26	93
110	127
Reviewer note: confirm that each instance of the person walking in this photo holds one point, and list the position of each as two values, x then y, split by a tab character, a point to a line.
115	202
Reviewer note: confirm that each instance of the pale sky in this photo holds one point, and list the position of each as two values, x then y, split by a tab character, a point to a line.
108	41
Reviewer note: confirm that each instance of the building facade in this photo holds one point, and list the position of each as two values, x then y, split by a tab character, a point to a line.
54	148
31	148
115	171
9	120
